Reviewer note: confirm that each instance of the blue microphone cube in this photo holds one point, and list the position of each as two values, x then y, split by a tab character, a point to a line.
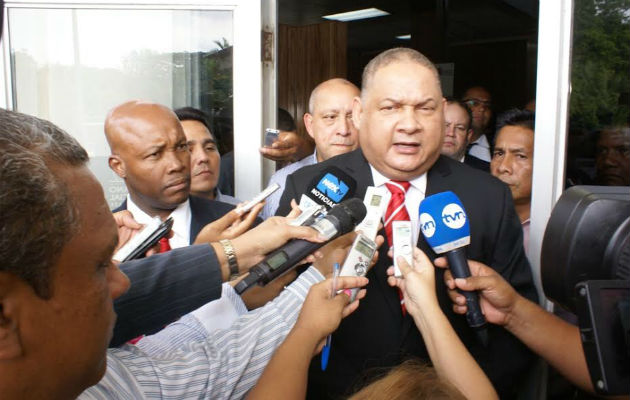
443	222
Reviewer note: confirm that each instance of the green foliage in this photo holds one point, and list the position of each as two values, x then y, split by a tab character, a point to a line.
600	76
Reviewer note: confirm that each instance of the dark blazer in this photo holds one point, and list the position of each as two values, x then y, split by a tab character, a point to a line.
377	334
202	212
477	163
163	288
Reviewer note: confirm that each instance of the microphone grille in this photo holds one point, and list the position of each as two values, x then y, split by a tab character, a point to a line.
349	213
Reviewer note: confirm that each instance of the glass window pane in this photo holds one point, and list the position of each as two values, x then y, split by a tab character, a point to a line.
599	137
71	66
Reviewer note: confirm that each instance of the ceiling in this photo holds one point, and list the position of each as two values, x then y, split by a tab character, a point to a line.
464	21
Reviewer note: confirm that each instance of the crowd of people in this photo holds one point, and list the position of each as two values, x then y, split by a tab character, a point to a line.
75	323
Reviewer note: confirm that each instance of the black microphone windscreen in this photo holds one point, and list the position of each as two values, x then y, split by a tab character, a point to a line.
349	213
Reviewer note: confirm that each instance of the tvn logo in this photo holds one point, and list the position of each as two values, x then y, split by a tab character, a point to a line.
453	216
427	225
332	187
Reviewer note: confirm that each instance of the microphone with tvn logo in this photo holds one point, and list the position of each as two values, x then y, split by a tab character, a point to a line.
340	220
328	188
444	225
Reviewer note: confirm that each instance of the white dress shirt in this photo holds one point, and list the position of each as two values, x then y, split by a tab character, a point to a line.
413	197
480	148
181	222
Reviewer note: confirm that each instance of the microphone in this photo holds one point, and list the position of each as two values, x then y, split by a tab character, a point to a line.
340	220
328	188
444	225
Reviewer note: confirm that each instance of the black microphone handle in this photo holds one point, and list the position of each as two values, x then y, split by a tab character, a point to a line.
295	251
458	264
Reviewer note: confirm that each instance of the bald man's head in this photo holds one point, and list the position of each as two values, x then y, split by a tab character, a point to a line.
329	120
149	151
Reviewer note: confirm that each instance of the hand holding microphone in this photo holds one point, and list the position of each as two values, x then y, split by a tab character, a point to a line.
444	224
341	219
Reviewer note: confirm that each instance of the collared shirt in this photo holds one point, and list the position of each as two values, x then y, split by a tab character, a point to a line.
225	198
217	314
181	222
525	226
480	148
415	194
280	177
221	364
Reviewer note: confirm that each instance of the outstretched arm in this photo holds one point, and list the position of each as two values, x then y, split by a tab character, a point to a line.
555	340
450	357
320	315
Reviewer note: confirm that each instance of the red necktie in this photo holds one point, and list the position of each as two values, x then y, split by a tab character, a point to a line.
164	245
396	211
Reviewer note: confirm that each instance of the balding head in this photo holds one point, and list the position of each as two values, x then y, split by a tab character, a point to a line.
148	150
329	120
396	55
331	85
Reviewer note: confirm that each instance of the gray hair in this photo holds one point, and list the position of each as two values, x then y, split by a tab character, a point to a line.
37	214
396	54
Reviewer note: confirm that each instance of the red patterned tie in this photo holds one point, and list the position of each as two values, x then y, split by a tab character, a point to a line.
164	245
396	211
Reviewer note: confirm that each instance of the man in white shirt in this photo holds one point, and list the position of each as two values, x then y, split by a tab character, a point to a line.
480	102
329	122
150	152
513	161
204	155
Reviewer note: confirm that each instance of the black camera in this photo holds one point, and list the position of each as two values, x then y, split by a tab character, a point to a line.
585	268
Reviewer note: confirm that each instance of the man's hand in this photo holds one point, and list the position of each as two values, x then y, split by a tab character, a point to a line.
252	246
417	283
337	251
321	313
258	296
285	148
229	226
127	227
497	297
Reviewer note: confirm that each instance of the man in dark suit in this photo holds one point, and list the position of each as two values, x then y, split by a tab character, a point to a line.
401	126
458	133
149	151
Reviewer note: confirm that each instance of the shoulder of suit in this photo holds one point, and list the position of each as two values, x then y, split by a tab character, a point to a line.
340	161
197	202
463	172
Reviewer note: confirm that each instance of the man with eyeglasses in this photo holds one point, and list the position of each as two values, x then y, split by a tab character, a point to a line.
479	100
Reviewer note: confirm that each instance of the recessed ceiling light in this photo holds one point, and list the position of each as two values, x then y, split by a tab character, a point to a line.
404	37
357	14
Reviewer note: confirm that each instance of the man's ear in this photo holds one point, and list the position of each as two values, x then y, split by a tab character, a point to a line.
469	136
357	109
117	165
308	124
10	344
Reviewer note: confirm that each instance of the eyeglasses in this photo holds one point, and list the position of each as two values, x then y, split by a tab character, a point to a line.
473	103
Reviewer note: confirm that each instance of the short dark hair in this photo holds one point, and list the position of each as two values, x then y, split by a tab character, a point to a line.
285	121
37	214
515	117
452	100
195	114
